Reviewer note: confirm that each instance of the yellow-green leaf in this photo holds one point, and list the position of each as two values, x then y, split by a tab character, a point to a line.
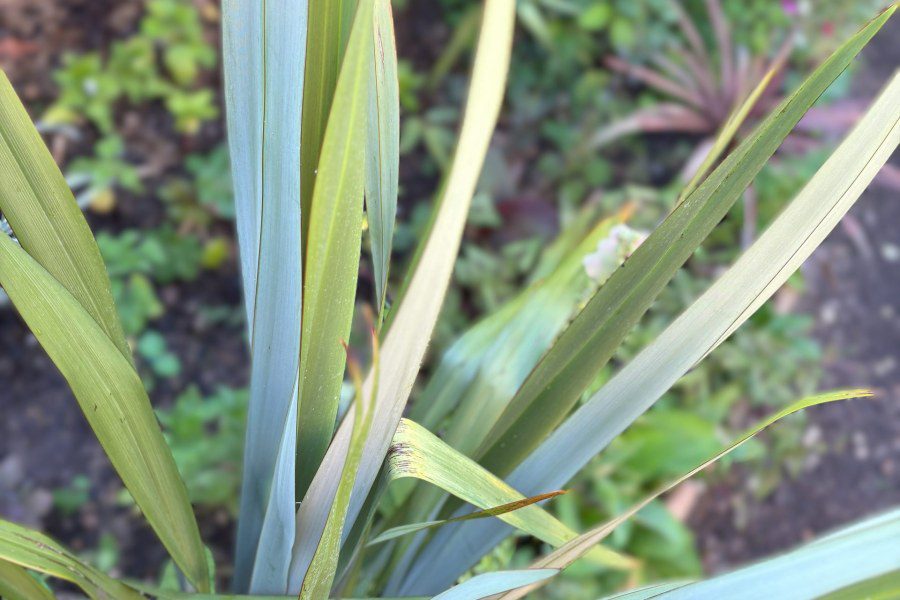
42	211
30	549
113	399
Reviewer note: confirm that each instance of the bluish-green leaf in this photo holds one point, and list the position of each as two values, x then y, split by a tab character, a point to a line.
382	148
264	48
711	319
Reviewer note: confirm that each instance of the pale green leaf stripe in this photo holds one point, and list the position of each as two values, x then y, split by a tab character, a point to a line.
266	41
416	452
406	342
578	547
332	251
17	584
706	323
113	399
40	207
557	382
382	148
33	550
329	29
488	584
318	579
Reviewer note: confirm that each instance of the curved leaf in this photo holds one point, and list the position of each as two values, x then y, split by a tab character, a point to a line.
30	549
113	399
706	323
557	382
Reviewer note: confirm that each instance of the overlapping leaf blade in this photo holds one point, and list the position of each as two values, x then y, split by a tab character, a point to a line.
332	250
264	47
71	319
710	320
416	452
554	386
406	341
318	579
41	209
33	550
578	547
17	584
329	30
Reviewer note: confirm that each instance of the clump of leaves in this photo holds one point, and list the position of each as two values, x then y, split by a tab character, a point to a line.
509	397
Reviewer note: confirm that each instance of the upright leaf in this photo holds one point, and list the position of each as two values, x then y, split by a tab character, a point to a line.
406	341
329	29
319	577
382	147
264	46
702	327
42	211
332	251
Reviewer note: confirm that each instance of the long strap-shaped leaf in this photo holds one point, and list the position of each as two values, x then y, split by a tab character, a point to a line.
112	398
481	371
416	452
705	324
39	206
382	148
555	385
319	577
406	342
495	511
578	547
264	47
488	584
329	30
33	550
17	584
332	250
